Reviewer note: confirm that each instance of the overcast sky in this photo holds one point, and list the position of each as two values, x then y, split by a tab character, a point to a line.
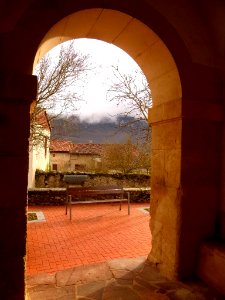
103	55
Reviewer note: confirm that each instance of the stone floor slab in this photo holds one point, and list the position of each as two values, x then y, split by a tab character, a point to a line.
50	292
149	273
99	282
113	292
130	264
85	274
43	278
93	290
184	294
123	274
149	294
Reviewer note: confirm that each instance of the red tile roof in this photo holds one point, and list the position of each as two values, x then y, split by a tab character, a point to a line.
87	149
42	119
60	146
68	146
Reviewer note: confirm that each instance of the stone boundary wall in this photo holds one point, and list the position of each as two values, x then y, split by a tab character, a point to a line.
57	196
50	187
55	180
45	196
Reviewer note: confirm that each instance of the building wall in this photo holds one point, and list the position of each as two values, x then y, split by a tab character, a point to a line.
39	158
61	159
66	161
85	161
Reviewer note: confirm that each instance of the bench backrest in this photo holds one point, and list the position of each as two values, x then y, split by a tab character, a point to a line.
94	191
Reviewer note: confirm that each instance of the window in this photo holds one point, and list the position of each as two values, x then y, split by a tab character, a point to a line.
54	167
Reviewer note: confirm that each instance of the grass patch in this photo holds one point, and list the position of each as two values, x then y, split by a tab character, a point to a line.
32	216
35	216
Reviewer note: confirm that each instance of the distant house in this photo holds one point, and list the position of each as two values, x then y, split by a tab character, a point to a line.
67	156
39	156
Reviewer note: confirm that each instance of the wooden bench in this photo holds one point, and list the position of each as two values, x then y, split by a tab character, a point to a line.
85	195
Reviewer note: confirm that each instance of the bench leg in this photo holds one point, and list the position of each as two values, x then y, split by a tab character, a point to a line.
128	200
66	203
70	206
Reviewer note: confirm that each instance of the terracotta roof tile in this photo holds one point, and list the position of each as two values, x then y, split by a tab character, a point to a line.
42	119
68	146
60	146
87	149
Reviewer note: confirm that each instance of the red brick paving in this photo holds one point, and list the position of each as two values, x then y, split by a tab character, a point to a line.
98	232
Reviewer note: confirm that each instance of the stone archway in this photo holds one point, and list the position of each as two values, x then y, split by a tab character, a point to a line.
156	61
194	34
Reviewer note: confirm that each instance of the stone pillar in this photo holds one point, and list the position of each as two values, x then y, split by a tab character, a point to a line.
16	93
185	195
200	180
165	186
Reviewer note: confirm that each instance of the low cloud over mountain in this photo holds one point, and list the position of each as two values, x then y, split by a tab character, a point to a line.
103	131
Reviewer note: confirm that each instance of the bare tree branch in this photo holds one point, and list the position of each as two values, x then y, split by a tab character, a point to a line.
132	90
59	85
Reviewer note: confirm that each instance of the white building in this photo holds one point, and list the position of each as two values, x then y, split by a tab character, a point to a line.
39	150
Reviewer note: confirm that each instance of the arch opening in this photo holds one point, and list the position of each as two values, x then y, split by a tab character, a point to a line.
159	67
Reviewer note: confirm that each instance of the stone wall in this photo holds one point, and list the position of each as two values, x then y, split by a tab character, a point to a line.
55	180
50	187
46	196
57	196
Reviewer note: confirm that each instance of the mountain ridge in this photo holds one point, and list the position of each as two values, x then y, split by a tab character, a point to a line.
101	132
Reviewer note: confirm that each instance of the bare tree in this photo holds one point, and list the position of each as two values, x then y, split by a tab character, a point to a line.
132	90
59	85
144	157
125	158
